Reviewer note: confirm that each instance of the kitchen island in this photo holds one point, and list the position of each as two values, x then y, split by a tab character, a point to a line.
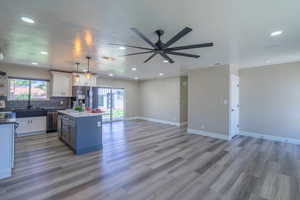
81	131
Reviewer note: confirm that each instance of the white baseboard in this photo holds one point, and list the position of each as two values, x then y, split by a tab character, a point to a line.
208	134
270	137
130	118
5	173
160	121
157	120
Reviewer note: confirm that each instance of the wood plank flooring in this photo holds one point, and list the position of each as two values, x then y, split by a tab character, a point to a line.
152	161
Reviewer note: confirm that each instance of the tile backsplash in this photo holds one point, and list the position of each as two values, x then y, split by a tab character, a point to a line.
53	102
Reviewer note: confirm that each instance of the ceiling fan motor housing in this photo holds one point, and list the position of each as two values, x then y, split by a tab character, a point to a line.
159	43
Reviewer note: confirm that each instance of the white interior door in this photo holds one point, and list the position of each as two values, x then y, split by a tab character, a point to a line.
234	104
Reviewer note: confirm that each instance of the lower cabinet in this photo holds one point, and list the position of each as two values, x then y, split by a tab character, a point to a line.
6	150
66	132
31	125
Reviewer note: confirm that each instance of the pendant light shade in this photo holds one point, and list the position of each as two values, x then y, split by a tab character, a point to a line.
77	76
88	74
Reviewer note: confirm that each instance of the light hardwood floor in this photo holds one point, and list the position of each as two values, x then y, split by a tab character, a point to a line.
146	160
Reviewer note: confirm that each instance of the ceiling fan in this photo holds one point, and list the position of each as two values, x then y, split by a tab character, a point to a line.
164	49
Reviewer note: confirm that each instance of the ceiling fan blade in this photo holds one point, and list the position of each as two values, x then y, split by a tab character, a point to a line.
138	53
195	46
143	37
131	46
183	54
154	54
166	57
177	37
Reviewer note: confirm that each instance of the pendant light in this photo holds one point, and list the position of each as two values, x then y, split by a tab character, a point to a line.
88	74
77	76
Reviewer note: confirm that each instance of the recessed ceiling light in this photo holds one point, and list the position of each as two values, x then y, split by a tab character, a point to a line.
35	63
276	33
133	69
161	74
136	78
85	70
166	61
44	52
27	20
122	48
110	74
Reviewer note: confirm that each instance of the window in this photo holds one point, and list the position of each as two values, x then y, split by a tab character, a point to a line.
22	89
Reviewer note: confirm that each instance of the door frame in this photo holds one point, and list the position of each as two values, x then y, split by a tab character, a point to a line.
231	77
111	88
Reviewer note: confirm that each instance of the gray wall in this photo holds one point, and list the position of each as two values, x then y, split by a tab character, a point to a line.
25	71
160	99
270	100
183	99
132	96
208	88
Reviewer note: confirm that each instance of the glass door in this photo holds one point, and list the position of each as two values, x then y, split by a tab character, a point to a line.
104	103
111	101
117	100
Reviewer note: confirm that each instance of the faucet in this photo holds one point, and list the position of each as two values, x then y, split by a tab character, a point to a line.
29	106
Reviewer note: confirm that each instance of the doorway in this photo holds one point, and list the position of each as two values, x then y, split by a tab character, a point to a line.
234	105
111	101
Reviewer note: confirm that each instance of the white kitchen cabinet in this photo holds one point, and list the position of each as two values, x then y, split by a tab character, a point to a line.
61	84
83	81
31	125
6	150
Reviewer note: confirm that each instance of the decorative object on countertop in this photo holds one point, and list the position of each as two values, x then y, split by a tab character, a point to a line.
78	108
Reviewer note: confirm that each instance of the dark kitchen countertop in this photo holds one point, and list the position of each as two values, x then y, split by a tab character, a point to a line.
33	112
8	121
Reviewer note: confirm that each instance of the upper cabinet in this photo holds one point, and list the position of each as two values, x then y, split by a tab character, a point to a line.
61	84
83	81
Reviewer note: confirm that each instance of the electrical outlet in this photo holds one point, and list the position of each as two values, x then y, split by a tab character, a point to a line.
61	102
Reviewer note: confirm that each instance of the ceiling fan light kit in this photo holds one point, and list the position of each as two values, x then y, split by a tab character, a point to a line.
77	76
164	49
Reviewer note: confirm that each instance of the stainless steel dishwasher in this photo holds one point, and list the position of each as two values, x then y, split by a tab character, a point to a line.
52	121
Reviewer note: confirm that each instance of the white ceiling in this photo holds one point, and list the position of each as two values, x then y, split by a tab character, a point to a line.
71	29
